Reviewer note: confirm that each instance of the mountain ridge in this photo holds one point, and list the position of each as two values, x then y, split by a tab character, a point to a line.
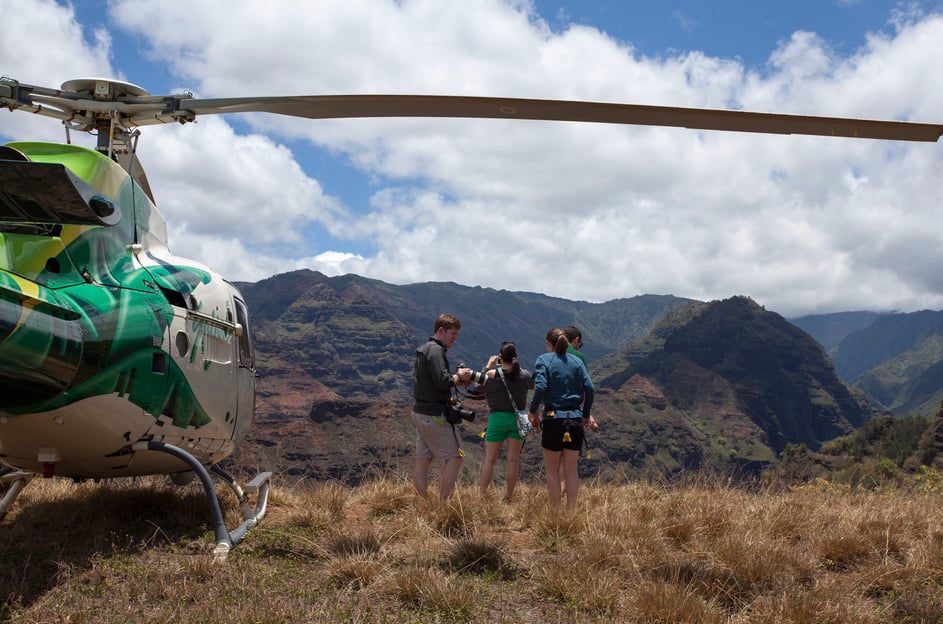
682	384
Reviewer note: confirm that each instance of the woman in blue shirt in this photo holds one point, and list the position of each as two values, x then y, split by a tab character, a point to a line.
562	385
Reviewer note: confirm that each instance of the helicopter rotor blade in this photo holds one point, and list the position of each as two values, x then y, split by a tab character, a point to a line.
82	101
362	106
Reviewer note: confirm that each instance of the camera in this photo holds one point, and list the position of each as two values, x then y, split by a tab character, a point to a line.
475	377
461	412
464	413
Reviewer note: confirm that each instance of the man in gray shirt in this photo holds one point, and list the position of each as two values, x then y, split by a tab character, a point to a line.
432	390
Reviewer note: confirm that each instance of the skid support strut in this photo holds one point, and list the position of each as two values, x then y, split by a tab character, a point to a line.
14	481
251	516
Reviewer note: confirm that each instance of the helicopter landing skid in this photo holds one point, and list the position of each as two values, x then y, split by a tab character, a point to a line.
13	481
225	540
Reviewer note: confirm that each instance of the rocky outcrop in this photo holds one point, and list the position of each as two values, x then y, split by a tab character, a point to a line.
640	390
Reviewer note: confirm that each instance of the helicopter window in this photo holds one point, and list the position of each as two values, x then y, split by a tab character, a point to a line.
175	298
183	344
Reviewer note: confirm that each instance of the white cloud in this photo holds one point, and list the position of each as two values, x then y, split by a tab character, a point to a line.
43	44
575	210
212	181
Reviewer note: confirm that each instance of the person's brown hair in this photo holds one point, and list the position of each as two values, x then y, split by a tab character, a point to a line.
508	353
572	333
557	338
446	321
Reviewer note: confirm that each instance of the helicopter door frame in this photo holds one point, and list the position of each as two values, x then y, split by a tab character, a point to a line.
245	371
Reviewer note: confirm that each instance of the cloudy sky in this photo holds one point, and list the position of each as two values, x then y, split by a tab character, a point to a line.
582	211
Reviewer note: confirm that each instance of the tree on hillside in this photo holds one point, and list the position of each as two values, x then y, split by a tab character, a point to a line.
930	449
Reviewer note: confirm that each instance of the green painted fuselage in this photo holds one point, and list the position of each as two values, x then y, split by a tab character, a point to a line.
106	338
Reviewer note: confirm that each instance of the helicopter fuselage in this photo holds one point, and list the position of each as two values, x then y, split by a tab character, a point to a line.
107	339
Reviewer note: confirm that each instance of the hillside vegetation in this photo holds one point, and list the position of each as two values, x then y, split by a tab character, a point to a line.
702	552
733	366
897	361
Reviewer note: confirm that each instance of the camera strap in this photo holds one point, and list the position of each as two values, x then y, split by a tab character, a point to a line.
504	381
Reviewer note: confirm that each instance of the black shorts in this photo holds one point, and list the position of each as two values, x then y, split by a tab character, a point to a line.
554	429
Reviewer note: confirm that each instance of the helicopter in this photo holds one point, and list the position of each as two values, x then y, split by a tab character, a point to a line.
118	358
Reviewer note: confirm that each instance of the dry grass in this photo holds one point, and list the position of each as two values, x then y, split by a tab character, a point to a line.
705	553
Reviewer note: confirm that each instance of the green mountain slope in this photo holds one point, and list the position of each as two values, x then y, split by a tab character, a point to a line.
886	338
737	365
897	361
831	329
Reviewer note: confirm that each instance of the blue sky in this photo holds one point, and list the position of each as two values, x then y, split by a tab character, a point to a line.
801	224
731	29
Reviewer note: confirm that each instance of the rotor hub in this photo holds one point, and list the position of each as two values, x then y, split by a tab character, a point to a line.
103	88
